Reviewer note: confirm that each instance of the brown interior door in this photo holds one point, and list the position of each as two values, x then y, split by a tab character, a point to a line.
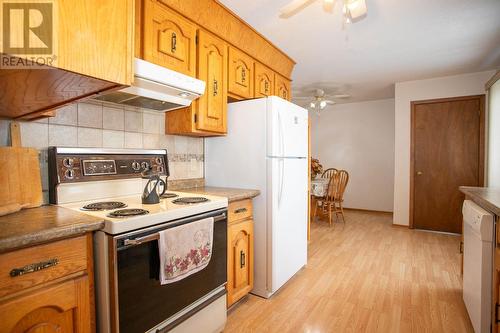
447	153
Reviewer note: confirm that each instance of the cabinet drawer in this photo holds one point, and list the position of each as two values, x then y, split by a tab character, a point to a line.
59	258
239	210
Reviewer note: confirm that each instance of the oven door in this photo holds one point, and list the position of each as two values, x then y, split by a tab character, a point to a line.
142	302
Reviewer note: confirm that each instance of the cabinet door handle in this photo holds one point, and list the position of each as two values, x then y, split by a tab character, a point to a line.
266	86
31	268
240	210
243	75
216	87
174	42
242	259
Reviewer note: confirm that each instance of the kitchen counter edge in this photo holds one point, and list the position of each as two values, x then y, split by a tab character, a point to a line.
486	197
34	226
232	194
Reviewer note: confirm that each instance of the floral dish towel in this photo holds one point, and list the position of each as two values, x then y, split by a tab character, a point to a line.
185	250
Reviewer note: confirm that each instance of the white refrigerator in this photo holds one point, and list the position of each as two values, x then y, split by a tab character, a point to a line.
266	149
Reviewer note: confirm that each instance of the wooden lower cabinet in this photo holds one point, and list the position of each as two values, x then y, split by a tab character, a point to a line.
64	307
57	298
240	260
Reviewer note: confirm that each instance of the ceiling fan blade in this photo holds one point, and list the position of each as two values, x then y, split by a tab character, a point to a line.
357	8
302	97
294	7
341	96
328	5
330	102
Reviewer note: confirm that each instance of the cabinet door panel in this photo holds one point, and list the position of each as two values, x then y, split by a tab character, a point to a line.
169	39
95	38
241	71
60	308
264	81
240	260
282	87
212	68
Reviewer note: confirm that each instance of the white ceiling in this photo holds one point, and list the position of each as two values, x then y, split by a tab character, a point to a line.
399	40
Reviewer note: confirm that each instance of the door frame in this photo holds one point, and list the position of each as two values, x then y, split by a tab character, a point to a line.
482	138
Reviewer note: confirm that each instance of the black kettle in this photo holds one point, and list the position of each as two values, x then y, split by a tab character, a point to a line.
154	188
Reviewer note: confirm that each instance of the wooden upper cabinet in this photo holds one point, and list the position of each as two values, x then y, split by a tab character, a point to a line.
95	38
282	87
264	81
212	68
240	74
169	40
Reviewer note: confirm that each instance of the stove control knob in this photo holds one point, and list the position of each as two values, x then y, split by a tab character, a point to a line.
159	160
68	162
145	165
160	169
69	174
136	166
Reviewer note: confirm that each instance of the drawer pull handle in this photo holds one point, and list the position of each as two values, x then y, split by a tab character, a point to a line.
240	210
31	268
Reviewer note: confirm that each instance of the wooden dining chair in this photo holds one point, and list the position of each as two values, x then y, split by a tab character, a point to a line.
328	173
321	201
341	179
333	200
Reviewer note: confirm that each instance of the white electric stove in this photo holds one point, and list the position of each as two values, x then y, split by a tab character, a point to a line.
132	214
108	183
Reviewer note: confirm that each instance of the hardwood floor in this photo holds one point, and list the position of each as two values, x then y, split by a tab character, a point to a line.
366	276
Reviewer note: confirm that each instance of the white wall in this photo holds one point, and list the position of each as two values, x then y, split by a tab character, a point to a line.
443	87
359	137
494	136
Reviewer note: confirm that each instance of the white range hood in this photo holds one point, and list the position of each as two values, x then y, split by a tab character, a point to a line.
157	88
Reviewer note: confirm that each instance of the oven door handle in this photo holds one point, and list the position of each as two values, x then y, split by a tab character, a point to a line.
156	236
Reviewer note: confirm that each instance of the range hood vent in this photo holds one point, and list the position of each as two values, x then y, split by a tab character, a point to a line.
156	88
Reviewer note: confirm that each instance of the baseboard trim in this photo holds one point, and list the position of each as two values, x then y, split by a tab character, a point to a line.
395	225
369	210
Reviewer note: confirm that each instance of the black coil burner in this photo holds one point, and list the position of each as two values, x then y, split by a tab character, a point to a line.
169	195
105	205
189	200
128	212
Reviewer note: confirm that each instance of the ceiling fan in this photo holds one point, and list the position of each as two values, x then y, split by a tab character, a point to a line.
352	10
319	101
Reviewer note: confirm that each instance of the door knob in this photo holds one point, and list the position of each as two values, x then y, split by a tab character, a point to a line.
419	173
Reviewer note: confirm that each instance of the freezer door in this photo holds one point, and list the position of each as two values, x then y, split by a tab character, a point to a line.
288	220
287	129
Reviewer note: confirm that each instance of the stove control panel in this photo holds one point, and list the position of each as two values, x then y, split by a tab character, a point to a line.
69	167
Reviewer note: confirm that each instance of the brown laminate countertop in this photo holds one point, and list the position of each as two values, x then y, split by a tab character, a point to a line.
486	197
43	224
232	194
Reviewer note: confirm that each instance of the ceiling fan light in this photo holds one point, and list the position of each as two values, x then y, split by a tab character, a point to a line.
322	104
357	8
312	105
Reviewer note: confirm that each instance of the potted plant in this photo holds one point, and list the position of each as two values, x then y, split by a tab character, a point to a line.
316	168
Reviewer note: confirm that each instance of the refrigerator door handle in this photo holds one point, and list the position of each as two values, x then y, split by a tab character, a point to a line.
281	180
281	137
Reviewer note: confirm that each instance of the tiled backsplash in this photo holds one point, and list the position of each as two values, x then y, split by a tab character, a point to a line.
110	126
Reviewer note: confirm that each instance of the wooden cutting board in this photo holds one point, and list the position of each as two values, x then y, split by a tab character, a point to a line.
19	173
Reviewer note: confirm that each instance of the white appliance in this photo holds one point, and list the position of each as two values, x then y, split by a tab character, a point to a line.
266	148
157	88
108	184
478	260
